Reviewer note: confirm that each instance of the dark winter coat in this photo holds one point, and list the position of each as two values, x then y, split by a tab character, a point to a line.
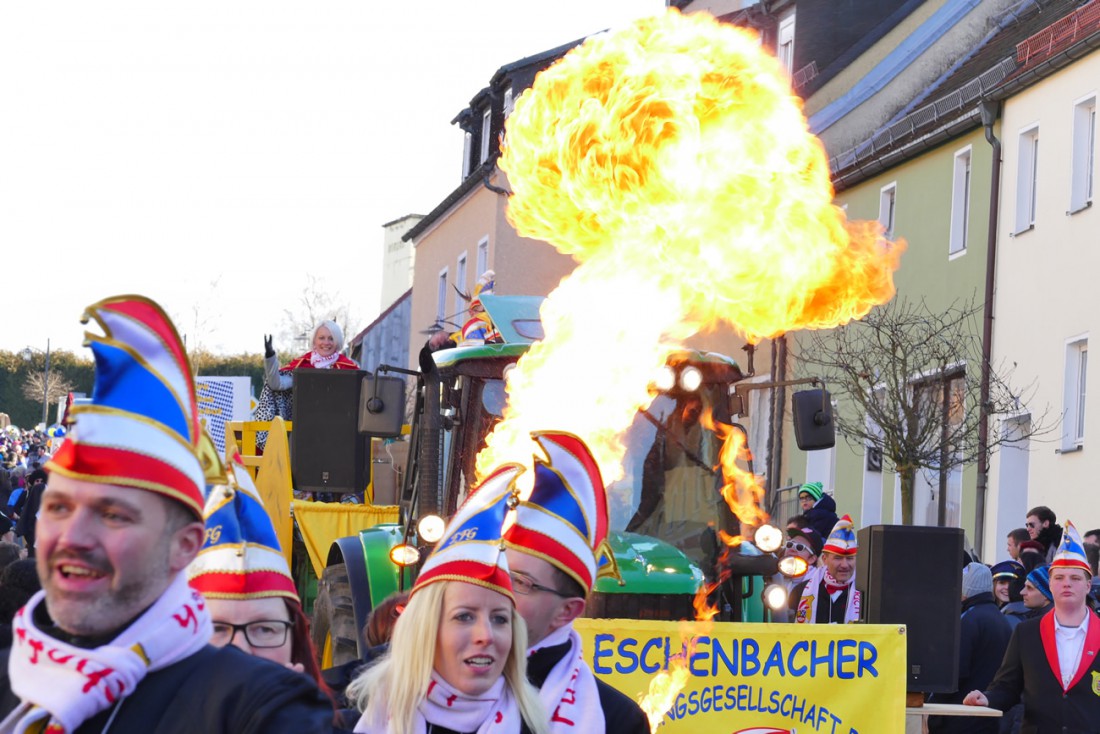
983	637
1028	670
215	691
1015	612
822	516
1051	538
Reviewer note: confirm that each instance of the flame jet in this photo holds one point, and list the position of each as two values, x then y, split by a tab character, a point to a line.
672	161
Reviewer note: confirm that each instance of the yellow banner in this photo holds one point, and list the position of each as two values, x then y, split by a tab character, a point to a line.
767	678
323	522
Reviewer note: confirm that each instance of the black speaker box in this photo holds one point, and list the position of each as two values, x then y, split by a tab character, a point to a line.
912	575
327	451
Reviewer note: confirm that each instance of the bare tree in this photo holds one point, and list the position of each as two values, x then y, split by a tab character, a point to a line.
908	382
315	303
57	388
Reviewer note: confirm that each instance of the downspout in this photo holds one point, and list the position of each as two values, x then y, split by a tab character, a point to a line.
989	110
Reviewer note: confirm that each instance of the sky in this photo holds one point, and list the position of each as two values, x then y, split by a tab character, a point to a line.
214	156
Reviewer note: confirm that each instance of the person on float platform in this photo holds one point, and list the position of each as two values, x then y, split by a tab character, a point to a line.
116	640
1053	662
455	662
556	549
244	577
829	595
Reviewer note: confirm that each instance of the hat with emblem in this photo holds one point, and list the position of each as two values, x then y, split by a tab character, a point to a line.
1071	551
140	429
842	540
1008	570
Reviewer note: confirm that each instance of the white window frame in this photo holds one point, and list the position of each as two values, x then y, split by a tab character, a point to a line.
960	202
482	256
1083	162
486	131
1027	179
467	153
784	41
888	208
1075	392
509	102
441	298
460	282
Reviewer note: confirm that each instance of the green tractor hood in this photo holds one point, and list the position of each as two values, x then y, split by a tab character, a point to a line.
649	566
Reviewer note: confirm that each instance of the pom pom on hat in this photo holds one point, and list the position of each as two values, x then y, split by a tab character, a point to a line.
814	489
976	579
1071	551
842	540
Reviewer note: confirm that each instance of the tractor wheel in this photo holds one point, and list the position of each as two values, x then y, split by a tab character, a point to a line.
334	634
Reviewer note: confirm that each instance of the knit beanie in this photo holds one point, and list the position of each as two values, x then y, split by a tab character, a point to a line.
1040	579
814	489
977	579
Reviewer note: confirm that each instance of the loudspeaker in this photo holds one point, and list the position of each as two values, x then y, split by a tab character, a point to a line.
382	406
812	413
327	451
912	575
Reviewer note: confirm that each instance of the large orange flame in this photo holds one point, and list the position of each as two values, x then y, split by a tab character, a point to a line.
672	160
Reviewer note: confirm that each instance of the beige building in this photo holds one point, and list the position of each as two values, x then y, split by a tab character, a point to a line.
397	259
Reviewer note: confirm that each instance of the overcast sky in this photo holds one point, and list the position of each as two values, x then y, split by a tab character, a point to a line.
211	155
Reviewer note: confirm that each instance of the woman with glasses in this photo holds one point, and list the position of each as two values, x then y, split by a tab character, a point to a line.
246	580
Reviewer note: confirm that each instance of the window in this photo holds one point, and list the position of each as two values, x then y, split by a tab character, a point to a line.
460	283
1027	180
467	145
482	256
509	103
960	203
886	209
1073	422
441	298
1084	154
784	42
486	131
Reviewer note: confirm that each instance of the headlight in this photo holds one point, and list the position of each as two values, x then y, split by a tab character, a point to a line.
793	566
691	378
768	538
775	597
665	379
404	555
431	528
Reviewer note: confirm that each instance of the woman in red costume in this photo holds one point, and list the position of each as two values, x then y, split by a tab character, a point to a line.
276	398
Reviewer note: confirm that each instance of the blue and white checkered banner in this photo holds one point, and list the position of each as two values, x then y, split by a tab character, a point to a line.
221	400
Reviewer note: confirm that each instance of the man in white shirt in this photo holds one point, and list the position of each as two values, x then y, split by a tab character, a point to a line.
1065	642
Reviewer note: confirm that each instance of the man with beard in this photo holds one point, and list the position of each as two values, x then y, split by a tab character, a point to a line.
116	640
828	595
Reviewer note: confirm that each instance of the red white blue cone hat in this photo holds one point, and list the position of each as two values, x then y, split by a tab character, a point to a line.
1071	551
842	540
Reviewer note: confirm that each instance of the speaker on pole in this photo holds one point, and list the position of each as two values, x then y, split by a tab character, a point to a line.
912	575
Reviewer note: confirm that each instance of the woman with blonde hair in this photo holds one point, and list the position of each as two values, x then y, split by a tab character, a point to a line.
475	679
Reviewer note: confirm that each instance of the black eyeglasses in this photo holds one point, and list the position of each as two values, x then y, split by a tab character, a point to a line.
798	547
262	633
524	585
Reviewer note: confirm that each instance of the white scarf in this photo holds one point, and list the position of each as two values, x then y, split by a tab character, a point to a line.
814	588
569	692
62	686
323	363
494	712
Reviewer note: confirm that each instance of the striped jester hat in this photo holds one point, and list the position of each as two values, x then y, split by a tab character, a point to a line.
564	521
240	557
141	428
1071	551
471	549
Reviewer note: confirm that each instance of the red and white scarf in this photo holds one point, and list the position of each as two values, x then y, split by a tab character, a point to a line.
569	692
493	712
62	686
323	363
819	584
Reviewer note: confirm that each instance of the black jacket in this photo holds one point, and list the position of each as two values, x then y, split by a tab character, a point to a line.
822	516
1027	670
983	638
621	714
217	690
